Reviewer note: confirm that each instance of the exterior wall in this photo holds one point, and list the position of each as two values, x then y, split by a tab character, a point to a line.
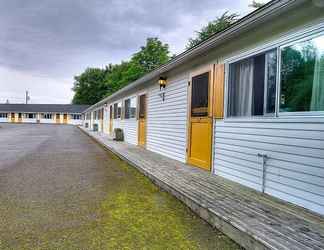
4	119
27	120
74	122
294	146
129	126
295	168
167	121
51	121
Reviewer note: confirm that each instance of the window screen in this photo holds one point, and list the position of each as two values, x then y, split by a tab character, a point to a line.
199	96
130	108
111	112
142	106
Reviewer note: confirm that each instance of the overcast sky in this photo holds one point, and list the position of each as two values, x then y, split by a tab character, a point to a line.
43	44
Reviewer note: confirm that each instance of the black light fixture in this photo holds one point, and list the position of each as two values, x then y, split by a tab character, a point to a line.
162	82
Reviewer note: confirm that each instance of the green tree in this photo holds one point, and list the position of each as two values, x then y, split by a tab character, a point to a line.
94	84
256	4
150	56
213	27
89	87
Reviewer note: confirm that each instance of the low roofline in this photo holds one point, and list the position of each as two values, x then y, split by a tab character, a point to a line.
274	7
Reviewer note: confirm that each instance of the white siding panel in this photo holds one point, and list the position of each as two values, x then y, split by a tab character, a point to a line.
4	119
167	121
129	126
295	168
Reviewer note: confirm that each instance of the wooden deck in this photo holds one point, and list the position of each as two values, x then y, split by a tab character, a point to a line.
252	219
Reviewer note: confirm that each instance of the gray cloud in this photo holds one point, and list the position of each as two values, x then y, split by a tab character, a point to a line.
60	38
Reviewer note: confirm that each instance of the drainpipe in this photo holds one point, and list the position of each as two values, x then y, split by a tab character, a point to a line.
264	169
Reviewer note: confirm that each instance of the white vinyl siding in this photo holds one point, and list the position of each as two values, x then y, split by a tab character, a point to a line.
129	127
167	121
295	168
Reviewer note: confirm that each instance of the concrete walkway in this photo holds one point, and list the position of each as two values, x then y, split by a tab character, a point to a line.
252	219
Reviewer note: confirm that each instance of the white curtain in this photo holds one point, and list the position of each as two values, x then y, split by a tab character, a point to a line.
317	100
244	82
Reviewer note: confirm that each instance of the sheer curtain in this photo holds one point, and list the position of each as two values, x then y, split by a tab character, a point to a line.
317	100
243	88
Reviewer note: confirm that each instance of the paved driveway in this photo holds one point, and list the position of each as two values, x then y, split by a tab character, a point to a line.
61	190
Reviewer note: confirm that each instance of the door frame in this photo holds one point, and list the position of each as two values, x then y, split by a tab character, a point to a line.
58	121
12	117
111	118
201	70
65	118
138	118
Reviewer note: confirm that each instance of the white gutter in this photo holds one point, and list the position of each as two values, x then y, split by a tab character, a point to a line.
274	7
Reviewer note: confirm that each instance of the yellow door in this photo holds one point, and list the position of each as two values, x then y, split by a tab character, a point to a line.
102	120
19	117
200	119
142	121
12	117
65	119
110	119
57	119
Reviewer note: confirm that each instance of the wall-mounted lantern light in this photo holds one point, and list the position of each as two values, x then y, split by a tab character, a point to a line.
162	82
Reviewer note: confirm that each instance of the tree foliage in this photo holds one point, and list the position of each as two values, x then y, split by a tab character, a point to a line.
256	4
89	87
213	27
94	84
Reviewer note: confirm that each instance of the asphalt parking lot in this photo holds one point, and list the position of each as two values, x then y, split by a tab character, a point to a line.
61	190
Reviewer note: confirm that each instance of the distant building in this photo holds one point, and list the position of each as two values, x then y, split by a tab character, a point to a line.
42	113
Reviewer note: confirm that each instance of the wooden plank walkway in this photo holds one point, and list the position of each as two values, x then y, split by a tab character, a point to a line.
252	219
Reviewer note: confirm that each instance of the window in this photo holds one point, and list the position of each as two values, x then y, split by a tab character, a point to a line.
57	116
252	85
117	110
130	108
302	76
3	115
199	96
142	107
19	115
30	115
47	116
75	117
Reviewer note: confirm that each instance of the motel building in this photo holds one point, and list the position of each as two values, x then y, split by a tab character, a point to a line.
247	104
42	113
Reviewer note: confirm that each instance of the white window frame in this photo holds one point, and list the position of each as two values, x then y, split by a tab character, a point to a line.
130	99
304	34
